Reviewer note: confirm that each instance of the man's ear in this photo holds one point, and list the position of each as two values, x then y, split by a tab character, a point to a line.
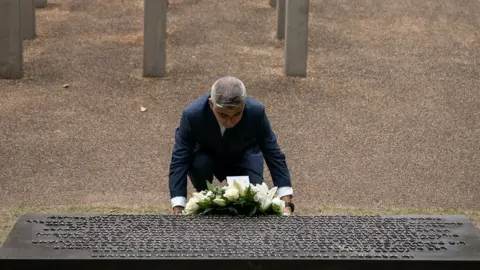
210	102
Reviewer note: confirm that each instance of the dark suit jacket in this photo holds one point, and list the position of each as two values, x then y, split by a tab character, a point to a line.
200	131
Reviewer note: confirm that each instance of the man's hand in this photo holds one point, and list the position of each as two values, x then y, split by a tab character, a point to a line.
287	198
178	209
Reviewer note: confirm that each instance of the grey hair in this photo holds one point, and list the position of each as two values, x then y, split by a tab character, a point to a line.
228	92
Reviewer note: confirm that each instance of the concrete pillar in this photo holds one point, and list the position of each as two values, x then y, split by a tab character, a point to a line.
296	38
281	19
272	3
154	34
41	3
11	43
27	14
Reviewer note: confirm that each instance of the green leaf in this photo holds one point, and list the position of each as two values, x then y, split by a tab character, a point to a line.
206	211
205	204
240	202
210	186
249	194
252	212
233	210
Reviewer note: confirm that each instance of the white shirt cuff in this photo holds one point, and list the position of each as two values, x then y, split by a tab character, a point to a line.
179	201
283	191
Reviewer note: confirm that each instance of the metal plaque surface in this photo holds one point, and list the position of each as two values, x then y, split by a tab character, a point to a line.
301	238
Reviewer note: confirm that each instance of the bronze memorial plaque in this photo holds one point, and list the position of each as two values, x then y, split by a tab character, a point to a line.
117	241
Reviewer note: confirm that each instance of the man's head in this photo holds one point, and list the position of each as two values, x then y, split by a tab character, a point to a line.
227	100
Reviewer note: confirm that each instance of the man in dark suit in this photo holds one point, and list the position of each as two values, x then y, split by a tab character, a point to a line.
225	133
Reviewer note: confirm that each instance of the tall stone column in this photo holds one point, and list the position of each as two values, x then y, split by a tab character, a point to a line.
296	38
154	46
28	19
41	3
11	43
281	19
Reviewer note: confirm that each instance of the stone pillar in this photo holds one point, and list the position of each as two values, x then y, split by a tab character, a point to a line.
11	43
272	3
281	19
27	14
41	3
296	38
154	35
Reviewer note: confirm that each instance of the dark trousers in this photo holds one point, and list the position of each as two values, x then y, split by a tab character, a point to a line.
205	166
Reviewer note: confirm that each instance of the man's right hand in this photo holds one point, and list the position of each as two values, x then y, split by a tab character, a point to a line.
178	209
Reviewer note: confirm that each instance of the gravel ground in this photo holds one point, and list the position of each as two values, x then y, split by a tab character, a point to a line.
388	116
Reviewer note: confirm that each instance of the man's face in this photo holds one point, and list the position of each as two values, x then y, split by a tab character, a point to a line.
227	117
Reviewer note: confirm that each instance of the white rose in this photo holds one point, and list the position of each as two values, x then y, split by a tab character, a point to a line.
199	196
220	201
231	194
278	205
192	205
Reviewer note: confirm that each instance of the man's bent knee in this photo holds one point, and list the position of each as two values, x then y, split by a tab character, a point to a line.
201	170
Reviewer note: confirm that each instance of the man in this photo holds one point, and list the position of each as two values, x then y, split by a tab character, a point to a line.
225	133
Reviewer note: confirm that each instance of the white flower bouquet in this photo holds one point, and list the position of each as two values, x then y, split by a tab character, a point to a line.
235	199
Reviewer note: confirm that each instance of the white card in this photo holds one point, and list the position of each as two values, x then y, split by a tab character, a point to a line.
244	181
